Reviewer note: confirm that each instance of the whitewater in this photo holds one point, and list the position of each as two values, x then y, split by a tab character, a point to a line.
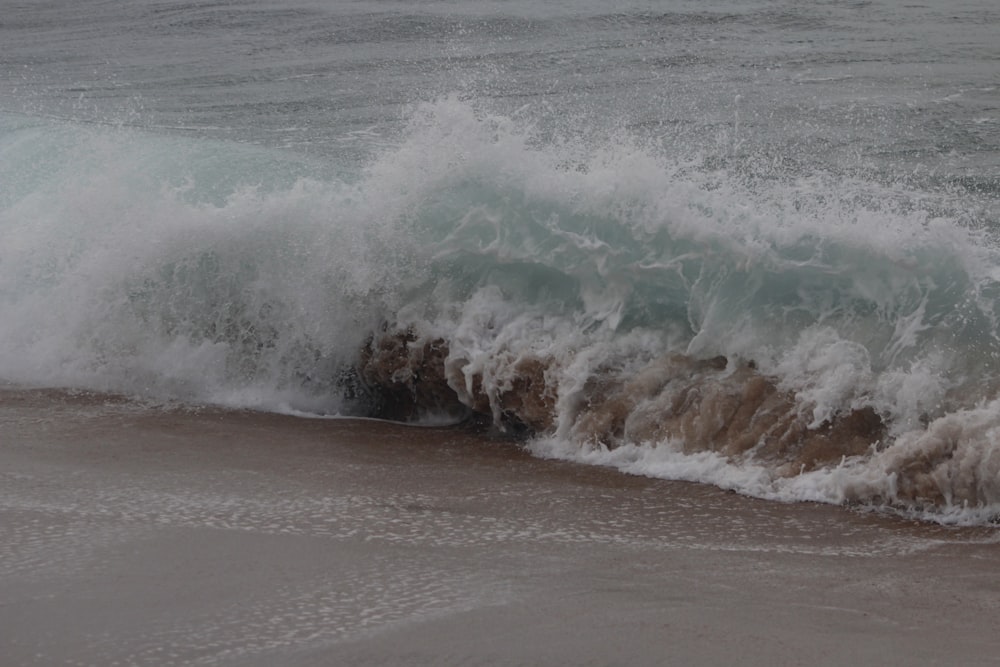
755	248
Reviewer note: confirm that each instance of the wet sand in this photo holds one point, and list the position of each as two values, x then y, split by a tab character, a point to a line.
132	535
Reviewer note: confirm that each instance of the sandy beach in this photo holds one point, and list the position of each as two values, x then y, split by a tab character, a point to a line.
137	535
713	289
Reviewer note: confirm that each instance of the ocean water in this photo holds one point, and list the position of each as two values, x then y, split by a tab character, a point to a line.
752	244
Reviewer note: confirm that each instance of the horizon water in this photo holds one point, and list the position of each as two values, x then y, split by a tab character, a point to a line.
222	203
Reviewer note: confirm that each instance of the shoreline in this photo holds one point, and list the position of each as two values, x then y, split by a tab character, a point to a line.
207	536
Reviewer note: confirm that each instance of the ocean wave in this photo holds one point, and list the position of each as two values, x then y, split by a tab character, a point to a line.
785	333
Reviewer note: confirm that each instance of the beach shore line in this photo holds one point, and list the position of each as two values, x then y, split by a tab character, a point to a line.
140	535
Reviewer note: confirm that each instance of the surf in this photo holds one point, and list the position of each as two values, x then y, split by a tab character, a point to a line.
665	309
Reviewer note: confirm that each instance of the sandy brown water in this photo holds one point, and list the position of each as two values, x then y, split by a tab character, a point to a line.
137	535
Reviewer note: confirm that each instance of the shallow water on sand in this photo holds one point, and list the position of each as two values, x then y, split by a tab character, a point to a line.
149	535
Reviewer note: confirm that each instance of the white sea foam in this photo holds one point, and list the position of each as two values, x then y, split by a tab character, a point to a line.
212	272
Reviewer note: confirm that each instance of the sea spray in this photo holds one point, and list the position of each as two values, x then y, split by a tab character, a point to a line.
620	302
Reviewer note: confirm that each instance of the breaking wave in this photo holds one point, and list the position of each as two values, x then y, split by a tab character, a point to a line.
669	311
